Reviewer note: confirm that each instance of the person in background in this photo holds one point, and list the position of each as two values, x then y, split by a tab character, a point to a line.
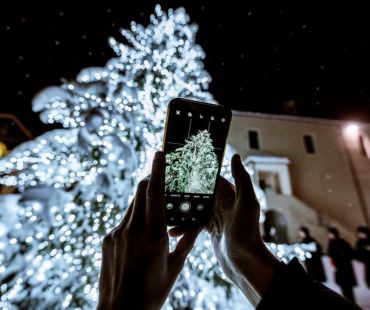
363	250
341	254
315	268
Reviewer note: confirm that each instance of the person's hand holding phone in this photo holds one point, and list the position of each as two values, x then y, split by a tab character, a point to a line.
235	234
138	271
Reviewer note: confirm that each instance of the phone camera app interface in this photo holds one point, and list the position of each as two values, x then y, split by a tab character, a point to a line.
194	147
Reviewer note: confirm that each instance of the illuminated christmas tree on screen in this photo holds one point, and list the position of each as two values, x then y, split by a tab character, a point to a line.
193	167
72	185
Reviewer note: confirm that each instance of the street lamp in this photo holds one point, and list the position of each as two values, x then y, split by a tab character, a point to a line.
352	130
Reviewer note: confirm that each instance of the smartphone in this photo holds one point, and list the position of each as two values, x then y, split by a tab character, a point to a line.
194	144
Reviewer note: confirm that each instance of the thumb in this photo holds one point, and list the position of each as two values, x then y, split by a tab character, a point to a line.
183	248
245	196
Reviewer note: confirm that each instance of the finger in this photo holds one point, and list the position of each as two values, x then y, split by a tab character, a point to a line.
155	213
222	184
125	219
243	183
224	189
137	219
177	231
183	247
224	201
106	268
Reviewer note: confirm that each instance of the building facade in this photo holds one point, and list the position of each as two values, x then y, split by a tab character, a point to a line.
314	172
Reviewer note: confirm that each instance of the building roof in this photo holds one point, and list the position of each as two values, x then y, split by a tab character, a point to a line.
295	118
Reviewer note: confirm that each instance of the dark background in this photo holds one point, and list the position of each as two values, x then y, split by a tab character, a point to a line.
303	59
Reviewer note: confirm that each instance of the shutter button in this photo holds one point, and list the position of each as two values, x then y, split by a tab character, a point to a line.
185	206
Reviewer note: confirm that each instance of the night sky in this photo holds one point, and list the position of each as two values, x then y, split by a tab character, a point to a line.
306	59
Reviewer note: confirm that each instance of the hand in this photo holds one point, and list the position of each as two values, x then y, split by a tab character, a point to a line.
138	271
236	237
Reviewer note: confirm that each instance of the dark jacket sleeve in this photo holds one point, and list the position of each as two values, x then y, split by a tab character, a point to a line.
291	288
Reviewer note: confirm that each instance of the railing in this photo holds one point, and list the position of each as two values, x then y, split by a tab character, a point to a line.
19	124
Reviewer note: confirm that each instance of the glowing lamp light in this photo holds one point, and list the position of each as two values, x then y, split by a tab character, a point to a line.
352	130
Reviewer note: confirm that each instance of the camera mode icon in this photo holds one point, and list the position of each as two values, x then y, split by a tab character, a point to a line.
200	207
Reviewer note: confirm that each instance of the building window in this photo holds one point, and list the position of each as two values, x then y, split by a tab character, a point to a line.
309	145
365	146
253	139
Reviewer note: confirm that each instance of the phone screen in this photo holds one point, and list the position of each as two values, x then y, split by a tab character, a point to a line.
194	145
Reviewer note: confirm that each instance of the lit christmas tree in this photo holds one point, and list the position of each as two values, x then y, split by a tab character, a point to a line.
73	184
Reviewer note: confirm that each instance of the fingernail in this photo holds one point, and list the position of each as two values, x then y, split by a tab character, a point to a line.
239	159
157	155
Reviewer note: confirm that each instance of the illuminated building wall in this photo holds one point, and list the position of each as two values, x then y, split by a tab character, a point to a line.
328	168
